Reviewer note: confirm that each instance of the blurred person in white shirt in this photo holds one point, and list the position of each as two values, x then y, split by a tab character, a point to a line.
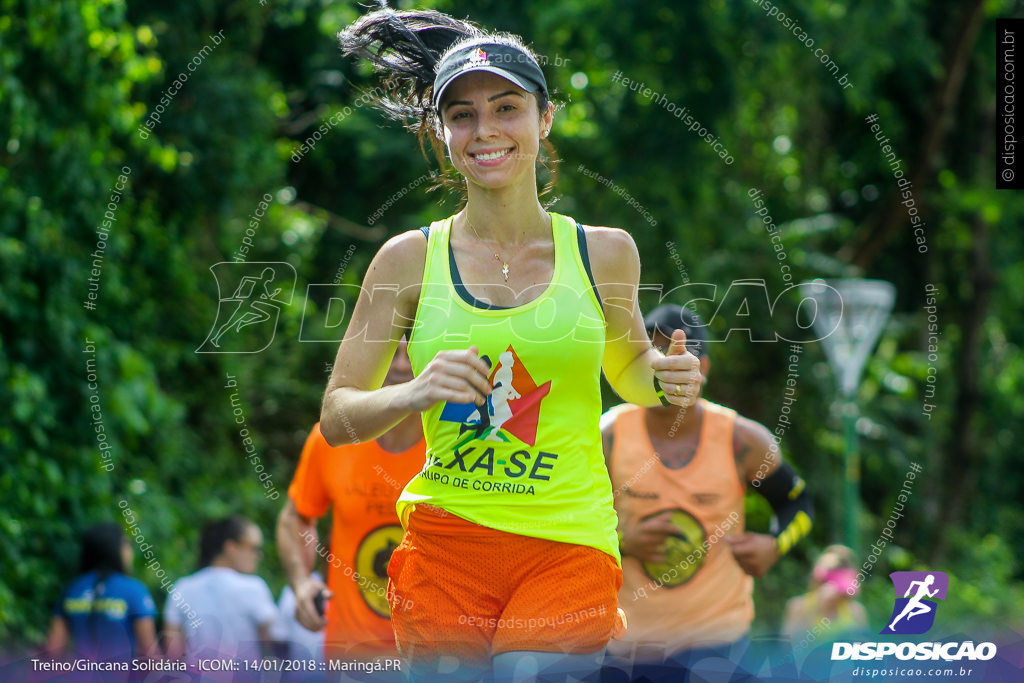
235	607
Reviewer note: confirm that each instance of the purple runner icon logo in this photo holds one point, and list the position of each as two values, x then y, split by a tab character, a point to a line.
916	596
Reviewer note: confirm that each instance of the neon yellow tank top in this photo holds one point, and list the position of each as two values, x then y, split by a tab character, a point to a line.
531	463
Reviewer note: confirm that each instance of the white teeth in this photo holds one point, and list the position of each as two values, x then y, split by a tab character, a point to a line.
493	155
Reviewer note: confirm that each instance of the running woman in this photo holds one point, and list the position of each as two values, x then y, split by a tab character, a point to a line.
510	553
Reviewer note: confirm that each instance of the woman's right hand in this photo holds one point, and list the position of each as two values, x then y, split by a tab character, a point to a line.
452	376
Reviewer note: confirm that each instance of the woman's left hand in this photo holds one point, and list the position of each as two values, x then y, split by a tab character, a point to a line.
678	372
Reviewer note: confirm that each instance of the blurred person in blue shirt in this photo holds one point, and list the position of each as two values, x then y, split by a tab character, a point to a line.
105	614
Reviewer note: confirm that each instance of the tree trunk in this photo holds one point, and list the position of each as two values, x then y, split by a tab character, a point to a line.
964	458
870	240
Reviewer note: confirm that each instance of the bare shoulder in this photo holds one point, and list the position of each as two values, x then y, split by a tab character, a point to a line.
751	433
609	417
613	253
400	259
607	426
398	267
608	243
753	445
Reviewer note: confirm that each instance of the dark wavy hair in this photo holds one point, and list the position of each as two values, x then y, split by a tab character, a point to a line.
101	550
218	532
405	47
101	553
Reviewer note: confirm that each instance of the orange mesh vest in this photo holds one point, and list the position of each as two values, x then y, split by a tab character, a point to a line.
699	596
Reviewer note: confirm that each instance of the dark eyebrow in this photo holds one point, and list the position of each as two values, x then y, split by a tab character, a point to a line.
507	92
489	99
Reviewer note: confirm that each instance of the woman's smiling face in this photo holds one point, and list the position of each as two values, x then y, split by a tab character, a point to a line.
492	129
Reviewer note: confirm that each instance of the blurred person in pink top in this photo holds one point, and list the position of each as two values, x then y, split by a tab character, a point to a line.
829	607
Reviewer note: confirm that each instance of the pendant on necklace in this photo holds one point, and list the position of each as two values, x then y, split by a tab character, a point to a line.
504	266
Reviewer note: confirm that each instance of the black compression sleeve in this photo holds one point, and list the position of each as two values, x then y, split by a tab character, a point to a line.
786	492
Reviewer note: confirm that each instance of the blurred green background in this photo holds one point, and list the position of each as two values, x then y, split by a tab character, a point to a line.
78	79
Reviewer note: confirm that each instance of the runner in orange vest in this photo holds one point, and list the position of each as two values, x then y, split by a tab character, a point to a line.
679	477
361	482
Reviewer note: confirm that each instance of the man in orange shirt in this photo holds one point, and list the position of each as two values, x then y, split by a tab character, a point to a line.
679	477
362	482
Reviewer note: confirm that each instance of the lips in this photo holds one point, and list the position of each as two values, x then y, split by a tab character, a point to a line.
492	157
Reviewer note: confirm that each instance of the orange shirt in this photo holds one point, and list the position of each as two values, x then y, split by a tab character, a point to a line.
699	596
362	483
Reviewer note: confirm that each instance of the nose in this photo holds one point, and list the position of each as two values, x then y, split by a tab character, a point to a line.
486	125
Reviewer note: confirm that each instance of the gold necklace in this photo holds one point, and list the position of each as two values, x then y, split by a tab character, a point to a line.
503	262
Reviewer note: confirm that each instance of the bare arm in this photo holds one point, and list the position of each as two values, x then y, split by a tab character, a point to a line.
356	408
754	450
266	640
145	637
295	531
759	462
630	363
57	639
756	457
174	640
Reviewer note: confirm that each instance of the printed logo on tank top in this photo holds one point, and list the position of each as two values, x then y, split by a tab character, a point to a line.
705	499
685	551
652	495
371	573
510	416
513	408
